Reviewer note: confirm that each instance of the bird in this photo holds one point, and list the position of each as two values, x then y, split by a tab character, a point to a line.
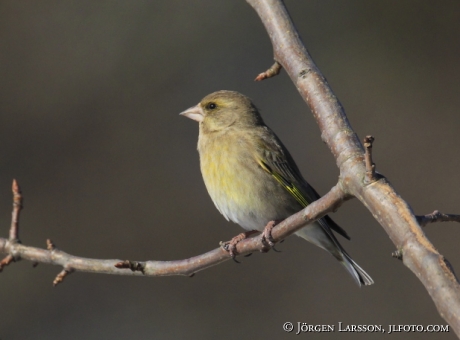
251	176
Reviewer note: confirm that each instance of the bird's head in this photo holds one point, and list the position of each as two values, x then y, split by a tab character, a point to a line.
222	109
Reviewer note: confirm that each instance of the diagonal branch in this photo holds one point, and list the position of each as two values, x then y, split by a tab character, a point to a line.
388	208
70	263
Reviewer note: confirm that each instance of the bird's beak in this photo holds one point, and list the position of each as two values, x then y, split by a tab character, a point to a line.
195	113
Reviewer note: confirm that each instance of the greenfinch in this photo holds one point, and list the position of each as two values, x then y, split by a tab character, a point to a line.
251	177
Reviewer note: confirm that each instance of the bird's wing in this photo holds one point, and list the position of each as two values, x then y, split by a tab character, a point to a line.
275	159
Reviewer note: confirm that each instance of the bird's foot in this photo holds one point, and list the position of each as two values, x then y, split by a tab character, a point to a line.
231	245
267	238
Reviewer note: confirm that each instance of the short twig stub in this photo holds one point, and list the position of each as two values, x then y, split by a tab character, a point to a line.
370	166
437	216
271	72
6	261
135	266
17	206
62	275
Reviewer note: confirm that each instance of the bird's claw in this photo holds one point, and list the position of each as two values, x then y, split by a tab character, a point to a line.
267	238
230	246
276	250
230	249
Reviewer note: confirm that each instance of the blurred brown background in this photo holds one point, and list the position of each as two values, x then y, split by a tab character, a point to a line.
90	93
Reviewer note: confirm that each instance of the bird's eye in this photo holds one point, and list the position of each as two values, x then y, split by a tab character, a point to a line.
212	106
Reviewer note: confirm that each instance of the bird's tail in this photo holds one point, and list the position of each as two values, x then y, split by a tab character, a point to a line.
358	273
321	235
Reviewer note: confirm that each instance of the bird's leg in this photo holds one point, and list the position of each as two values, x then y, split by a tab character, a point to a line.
231	246
267	234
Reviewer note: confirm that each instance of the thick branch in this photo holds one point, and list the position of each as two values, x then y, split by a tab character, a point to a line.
390	209
15	250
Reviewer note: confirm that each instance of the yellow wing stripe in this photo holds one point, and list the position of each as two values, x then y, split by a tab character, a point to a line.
291	188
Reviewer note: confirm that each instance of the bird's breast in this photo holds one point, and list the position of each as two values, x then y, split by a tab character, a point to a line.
226	168
241	190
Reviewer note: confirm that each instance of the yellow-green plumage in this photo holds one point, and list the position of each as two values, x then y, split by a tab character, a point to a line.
227	167
251	177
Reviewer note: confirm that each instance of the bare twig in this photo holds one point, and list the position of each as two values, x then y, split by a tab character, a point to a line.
274	70
62	275
14	228
437	216
329	202
17	206
50	245
6	261
370	166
